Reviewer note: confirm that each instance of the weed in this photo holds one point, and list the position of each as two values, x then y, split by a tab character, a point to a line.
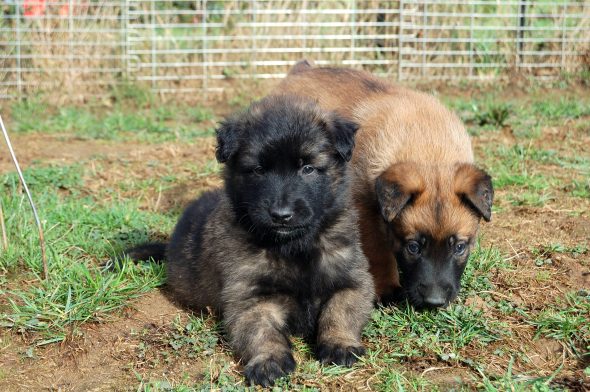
494	114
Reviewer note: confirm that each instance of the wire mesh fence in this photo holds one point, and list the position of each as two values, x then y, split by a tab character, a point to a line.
81	47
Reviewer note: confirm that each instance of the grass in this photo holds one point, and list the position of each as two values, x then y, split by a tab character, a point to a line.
567	321
82	235
92	208
132	114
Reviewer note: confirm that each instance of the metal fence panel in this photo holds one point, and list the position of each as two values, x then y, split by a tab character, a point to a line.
81	47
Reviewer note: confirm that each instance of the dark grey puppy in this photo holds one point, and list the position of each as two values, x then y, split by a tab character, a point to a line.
276	252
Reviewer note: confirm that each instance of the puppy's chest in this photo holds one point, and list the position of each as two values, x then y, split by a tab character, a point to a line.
303	282
307	284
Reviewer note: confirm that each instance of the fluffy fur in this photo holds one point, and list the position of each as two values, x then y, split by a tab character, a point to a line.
277	251
419	196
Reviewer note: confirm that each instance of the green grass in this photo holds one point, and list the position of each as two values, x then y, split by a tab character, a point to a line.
511	167
440	333
120	124
81	234
85	225
514	382
562	109
567	321
134	115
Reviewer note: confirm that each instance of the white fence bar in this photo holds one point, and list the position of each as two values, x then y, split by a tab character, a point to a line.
82	48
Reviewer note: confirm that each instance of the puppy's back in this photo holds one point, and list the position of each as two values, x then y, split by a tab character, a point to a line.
397	124
338	89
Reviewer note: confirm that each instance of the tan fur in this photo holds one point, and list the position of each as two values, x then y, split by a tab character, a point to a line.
405	136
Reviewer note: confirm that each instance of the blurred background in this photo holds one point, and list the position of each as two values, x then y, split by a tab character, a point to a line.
82	47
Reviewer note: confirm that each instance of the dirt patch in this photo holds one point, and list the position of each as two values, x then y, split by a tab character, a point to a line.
58	149
92	362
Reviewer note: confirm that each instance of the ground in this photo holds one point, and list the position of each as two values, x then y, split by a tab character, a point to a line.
117	172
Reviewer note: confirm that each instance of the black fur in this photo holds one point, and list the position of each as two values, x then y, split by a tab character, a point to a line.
276	252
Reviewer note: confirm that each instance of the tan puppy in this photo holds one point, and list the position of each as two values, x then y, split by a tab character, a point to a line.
419	196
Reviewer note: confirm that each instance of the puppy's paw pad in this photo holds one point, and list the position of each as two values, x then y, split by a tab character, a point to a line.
265	371
339	355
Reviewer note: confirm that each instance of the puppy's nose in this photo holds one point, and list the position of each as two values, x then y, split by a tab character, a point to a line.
281	214
435	301
433	295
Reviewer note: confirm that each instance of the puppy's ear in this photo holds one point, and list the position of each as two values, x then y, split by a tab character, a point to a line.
343	131
475	188
395	188
227	140
301	66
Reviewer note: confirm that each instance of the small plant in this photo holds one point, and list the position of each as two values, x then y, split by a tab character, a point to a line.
495	115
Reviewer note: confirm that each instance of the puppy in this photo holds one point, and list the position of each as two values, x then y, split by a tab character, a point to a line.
277	251
418	194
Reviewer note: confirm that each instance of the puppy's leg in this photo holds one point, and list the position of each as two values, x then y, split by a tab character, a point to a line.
340	325
260	337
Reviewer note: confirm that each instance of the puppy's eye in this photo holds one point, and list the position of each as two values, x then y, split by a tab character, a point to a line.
259	170
460	248
307	169
413	248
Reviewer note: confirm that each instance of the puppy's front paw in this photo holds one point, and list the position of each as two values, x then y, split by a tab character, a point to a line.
265	370
339	354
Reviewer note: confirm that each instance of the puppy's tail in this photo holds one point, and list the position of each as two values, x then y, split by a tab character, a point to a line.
155	251
151	251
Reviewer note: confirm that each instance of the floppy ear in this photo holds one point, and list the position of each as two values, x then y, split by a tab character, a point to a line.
475	188
343	131
227	140
395	187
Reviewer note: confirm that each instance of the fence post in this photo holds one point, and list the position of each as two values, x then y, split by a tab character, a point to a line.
400	40
205	54
424	33
471	39
563	33
154	42
352	30
254	49
19	82
520	32
125	39
70	61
